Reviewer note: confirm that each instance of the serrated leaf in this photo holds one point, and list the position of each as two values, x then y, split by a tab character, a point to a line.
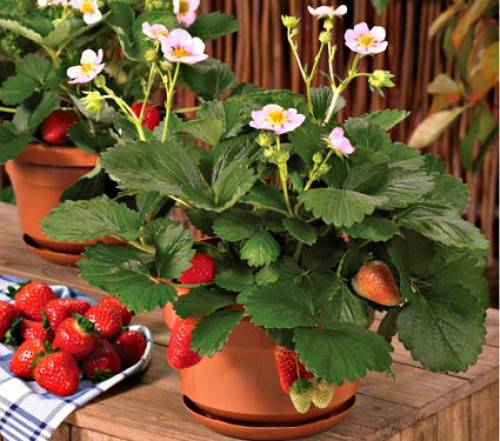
261	249
32	112
20	29
321	98
234	277
16	89
80	221
388	325
280	305
233	182
89	186
344	352
213	332
201	301
376	229
367	135
214	25
265	196
387	118
125	273
379	5
60	33
307	140
449	191
236	224
300	230
34	66
206	130
343	208
444	225
11	142
174	249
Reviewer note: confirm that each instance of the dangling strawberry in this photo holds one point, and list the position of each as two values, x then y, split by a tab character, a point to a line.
31	330
107	321
116	304
23	361
289	367
151	115
58	373
32	297
56	125
375	282
179	352
202	270
8	313
301	395
76	336
59	309
130	346
103	362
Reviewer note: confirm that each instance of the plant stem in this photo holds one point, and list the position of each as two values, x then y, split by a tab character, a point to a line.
168	102
298	251
7	109
283	172
142	247
149	86
187	109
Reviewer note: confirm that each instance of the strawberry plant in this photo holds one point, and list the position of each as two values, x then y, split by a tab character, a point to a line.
311	223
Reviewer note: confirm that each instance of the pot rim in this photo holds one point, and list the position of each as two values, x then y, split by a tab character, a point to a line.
62	156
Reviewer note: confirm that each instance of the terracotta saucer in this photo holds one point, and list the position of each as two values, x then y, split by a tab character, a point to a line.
66	259
242	430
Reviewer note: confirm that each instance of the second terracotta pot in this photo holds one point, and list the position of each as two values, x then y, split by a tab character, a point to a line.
39	176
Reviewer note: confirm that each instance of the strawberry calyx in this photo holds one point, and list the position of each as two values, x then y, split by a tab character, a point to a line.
12	336
102	374
84	325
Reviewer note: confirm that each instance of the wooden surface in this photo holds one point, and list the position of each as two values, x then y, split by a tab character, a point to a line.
417	406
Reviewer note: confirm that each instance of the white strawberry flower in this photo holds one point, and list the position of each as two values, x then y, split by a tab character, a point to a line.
89	9
90	66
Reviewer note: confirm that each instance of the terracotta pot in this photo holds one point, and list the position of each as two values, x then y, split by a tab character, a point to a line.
169	314
240	386
39	175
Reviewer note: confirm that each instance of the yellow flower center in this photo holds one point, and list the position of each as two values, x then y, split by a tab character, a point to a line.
277	117
179	52
87	68
366	40
88	7
183	6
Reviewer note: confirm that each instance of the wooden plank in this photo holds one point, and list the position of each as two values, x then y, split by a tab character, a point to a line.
90	435
484	414
423	431
453	423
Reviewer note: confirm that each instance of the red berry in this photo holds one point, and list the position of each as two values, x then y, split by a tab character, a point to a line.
115	303
179	352
202	270
76	336
59	309
31	298
107	321
130	346
58	373
103	362
8	313
151	115
31	330
289	368
56	125
375	282
23	361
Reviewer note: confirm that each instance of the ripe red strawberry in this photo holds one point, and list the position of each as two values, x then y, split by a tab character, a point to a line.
31	330
202	270
107	321
31	298
179	352
115	303
58	373
130	346
151	115
59	309
375	282
76	336
289	367
103	362
23	361
8	313
56	125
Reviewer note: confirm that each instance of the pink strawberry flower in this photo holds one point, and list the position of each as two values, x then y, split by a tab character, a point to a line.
337	141
181	47
185	11
90	66
364	40
327	11
277	119
155	32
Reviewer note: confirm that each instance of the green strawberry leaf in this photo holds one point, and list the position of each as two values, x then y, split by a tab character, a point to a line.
235	224
343	352
261	249
300	230
376	229
235	278
213	332
202	301
387	118
214	25
449	191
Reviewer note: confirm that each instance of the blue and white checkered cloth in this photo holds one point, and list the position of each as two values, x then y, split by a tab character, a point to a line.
30	413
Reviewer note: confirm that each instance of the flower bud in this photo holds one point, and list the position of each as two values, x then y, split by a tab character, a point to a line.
317	158
328	24
380	78
294	32
289	21
93	102
265	139
268	152
150	55
325	37
323	169
100	81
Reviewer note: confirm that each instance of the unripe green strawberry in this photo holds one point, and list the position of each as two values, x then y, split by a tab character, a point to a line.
289	367
301	393
322	394
58	373
375	282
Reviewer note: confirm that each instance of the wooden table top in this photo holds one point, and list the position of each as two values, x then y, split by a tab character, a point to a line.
148	407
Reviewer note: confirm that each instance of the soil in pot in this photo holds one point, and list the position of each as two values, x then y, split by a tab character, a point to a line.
39	175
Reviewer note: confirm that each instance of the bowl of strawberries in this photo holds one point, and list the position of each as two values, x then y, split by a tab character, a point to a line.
61	341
